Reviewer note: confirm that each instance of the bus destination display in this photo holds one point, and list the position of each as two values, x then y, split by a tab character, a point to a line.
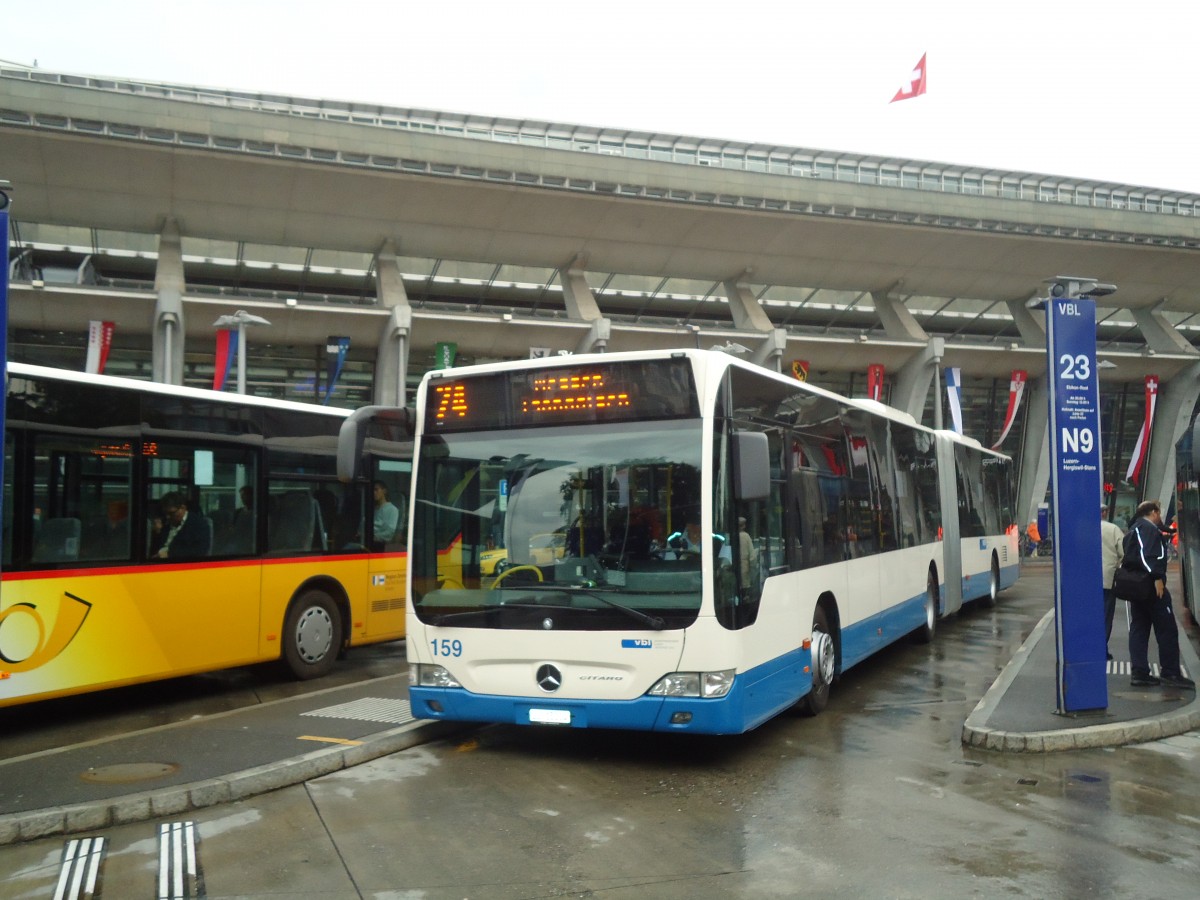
565	395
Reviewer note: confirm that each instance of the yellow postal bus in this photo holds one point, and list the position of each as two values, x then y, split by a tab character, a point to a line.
151	531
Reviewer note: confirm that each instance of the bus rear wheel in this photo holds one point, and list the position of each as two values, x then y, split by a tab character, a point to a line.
824	666
925	633
993	593
312	635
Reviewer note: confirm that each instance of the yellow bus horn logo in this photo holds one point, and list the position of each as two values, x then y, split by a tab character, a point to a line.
66	626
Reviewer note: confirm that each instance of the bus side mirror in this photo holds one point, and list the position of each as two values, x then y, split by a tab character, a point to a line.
751	466
353	433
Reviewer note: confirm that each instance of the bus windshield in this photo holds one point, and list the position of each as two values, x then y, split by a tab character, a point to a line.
562	527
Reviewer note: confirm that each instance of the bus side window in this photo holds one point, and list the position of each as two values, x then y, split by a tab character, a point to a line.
81	493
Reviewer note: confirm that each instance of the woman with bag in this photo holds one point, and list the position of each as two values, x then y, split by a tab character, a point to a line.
1146	551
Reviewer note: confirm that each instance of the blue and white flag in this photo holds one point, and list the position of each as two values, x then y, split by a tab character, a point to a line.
954	394
336	348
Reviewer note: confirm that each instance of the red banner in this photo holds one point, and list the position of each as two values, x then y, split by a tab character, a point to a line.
226	350
99	341
800	369
1142	447
1016	388
875	382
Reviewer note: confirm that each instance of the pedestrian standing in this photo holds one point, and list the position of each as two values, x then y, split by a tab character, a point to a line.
1146	550
1111	551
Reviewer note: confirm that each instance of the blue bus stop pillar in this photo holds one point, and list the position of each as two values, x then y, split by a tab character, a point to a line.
1076	491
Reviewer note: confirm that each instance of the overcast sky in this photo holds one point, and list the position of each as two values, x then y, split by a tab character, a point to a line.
1098	90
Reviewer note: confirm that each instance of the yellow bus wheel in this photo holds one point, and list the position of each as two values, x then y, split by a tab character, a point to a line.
312	635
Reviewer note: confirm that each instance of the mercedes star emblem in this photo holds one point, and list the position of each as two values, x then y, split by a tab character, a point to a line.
549	679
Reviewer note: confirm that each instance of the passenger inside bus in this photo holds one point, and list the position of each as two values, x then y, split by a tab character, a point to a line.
386	520
180	534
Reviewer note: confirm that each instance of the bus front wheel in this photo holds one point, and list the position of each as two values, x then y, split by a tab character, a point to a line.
823	665
312	635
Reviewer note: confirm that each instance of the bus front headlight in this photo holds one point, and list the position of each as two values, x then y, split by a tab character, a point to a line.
423	675
694	684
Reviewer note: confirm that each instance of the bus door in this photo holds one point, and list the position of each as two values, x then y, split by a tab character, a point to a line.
952	575
198	614
862	544
388	520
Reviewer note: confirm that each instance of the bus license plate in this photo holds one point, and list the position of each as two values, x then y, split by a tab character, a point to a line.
550	716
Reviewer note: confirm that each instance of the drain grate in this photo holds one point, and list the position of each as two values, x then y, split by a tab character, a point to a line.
368	709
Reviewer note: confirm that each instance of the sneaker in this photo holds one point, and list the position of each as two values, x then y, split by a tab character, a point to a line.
1178	681
1146	680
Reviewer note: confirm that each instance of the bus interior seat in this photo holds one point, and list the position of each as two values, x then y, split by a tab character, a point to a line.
237	537
290	526
57	541
208	530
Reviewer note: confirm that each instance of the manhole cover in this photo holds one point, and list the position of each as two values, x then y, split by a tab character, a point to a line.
127	773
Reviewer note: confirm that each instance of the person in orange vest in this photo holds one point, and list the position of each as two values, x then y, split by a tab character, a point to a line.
1035	537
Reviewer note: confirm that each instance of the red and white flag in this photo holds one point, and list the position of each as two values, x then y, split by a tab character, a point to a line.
1016	387
915	86
99	340
875	382
1143	442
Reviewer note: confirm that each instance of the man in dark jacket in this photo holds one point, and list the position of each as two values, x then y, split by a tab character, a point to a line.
185	535
1146	551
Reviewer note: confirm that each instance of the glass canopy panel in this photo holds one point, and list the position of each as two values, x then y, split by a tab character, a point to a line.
348	261
217	251
783	295
828	299
688	288
273	254
633	284
126	242
533	278
65	236
415	265
958	307
480	273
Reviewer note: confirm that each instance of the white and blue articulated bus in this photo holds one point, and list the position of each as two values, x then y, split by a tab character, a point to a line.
678	541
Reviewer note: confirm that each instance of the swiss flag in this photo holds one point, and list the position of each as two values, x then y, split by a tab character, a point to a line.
916	83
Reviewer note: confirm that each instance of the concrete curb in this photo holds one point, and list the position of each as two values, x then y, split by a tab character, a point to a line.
34	824
977	734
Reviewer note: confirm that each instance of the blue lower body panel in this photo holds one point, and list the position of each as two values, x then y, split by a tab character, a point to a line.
976	586
756	696
1009	575
871	635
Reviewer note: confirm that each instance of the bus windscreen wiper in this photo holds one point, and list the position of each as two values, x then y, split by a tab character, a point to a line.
525	604
655	622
